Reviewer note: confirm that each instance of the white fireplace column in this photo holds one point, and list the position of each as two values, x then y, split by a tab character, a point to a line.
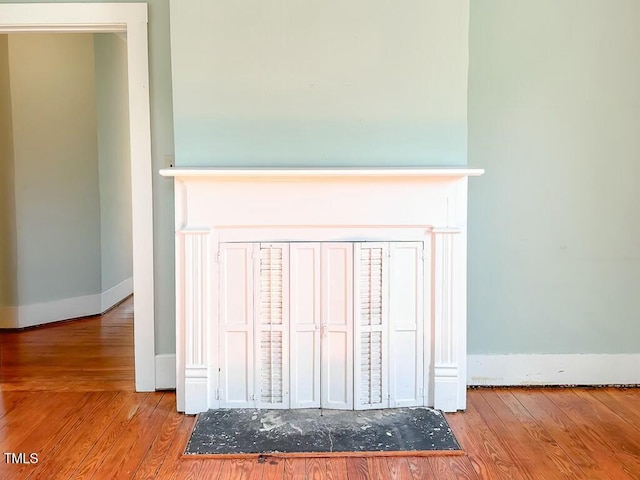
193	331
222	206
446	336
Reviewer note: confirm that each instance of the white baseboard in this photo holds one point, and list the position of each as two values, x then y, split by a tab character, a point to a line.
68	308
564	369
54	311
116	294
166	371
8	317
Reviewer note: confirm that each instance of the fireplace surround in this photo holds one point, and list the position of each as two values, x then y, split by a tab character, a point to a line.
219	210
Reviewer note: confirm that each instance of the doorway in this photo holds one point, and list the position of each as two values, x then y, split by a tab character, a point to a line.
130	19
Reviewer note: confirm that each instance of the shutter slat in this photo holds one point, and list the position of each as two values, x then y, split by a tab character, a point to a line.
272	321
371	308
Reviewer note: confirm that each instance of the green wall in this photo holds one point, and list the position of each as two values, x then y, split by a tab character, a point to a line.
553	106
554	225
8	266
320	83
56	166
65	209
114	159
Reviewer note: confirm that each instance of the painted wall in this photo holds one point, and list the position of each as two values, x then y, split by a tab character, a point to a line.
7	204
114	162
56	168
553	105
67	211
320	83
554	117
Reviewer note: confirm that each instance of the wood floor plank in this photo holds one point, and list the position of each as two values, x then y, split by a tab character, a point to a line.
9	400
398	468
377	467
336	469
627	411
75	446
316	469
273	469
48	440
587	455
480	457
96	456
539	441
488	448
35	436
530	438
294	469
357	468
186	470
125	458
254	469
148	469
616	464
441	470
420	468
233	469
452	468
211	469
510	439
621	435
173	457
14	426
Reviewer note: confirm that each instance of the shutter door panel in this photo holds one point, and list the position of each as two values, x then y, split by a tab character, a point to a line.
272	325
305	321
371	326
337	326
236	326
406	319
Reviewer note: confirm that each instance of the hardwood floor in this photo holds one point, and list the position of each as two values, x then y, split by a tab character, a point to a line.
66	394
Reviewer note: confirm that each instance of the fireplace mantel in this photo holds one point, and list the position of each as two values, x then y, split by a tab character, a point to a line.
410	172
216	206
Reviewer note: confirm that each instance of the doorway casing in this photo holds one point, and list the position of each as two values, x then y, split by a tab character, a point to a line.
129	18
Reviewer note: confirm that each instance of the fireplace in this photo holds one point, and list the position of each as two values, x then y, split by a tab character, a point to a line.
331	288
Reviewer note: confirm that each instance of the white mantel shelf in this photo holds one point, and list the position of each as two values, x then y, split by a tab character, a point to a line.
348	172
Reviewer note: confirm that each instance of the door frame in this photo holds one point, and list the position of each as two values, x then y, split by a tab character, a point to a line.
131	19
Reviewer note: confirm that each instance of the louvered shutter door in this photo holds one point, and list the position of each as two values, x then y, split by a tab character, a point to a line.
236	325
371	326
272	325
406	323
337	325
304	317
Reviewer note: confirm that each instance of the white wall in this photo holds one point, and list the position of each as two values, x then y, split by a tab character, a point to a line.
56	168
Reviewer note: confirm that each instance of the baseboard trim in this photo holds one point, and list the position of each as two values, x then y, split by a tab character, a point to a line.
166	371
70	308
116	294
57	310
553	369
